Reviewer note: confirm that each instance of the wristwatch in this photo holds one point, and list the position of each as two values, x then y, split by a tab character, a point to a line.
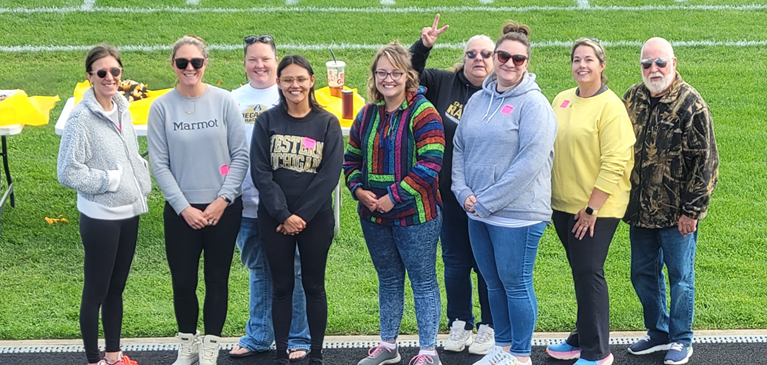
591	211
227	200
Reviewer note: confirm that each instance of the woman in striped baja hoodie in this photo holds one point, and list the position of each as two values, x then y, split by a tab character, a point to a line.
392	166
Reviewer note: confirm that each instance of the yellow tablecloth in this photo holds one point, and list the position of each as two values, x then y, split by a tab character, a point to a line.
334	104
139	109
29	110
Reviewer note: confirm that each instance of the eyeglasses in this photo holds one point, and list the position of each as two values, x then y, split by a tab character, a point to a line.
288	80
395	75
182	63
647	62
264	38
115	71
485	54
504	57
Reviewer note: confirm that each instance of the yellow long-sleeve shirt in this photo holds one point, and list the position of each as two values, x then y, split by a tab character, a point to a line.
594	148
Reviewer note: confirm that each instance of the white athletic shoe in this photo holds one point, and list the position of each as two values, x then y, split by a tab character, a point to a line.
459	338
499	357
188	348
209	349
484	342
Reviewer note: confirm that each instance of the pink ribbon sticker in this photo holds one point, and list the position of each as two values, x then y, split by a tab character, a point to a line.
506	110
308	143
565	104
224	169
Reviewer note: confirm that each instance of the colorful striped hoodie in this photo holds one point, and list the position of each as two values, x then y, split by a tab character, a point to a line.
400	154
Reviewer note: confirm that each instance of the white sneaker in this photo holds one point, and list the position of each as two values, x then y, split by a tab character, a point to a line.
500	357
459	338
484	342
209	349
188	348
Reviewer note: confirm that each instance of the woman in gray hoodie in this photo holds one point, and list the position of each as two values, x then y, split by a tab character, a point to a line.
502	158
99	158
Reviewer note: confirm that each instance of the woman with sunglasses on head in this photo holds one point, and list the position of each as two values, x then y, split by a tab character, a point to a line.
590	192
296	159
199	158
392	166
99	158
503	153
449	91
260	94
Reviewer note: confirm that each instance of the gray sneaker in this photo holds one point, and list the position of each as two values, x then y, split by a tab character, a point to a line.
380	355
424	359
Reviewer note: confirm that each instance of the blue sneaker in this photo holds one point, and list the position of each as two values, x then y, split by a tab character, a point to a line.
678	354
606	361
563	351
647	345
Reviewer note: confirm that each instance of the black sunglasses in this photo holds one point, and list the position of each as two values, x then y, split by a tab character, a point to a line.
115	71
485	54
647	62
264	38
181	63
504	57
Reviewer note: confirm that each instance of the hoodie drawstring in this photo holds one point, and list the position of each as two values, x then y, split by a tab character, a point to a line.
496	109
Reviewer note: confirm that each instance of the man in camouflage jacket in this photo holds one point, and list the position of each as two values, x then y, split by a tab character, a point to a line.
675	171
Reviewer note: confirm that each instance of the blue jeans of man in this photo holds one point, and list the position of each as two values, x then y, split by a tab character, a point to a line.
459	262
412	249
650	250
259	330
506	257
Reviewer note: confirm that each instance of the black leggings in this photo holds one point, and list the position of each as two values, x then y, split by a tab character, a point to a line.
183	246
587	262
109	247
313	245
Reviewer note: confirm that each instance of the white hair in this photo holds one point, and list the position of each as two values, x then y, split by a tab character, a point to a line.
476	37
664	45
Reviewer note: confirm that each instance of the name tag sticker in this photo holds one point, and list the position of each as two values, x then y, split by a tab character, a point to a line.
565	104
308	143
224	169
506	110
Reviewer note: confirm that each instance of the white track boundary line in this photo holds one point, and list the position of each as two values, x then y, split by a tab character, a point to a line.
88	5
350	46
404	10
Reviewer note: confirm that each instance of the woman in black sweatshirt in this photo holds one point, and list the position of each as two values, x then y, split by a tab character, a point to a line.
449	91
296	159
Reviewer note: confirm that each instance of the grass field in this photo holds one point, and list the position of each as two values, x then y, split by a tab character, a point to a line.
40	264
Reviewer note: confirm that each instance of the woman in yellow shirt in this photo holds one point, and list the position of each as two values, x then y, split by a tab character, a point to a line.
593	157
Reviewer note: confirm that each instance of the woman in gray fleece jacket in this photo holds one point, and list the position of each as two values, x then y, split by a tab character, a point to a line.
99	158
502	158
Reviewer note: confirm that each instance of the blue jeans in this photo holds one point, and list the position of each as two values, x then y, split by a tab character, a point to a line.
506	257
259	330
650	250
394	250
459	262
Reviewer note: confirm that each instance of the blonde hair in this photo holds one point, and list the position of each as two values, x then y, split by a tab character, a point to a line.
399	57
513	31
599	51
193	40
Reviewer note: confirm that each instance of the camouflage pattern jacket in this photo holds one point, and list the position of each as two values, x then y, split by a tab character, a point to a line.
676	160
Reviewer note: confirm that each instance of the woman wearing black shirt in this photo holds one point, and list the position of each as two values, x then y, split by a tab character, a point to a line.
296	160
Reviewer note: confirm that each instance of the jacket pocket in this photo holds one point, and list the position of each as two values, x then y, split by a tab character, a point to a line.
480	178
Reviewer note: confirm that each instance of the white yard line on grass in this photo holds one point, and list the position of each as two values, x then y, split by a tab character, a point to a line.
583	4
485	1
291	2
88	5
388	2
192	2
410	9
350	46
